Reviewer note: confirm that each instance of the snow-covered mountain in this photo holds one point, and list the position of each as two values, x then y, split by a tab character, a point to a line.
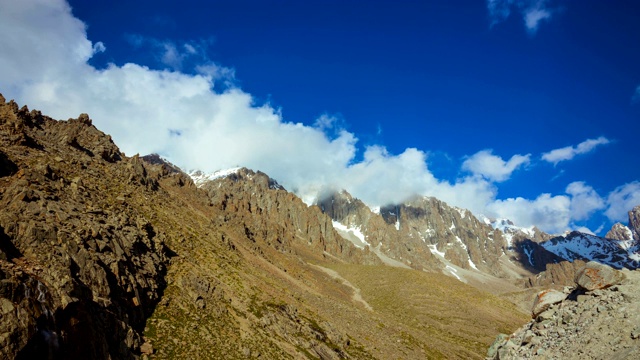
615	253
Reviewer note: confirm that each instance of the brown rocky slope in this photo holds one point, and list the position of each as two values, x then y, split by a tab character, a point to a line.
596	319
108	256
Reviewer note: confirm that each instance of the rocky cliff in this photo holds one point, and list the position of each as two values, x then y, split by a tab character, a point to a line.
426	233
76	254
630	232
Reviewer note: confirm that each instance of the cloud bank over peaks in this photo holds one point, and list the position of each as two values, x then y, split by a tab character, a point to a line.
198	123
554	214
492	167
533	12
569	152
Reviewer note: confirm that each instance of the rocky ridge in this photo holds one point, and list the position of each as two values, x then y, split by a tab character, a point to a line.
426	233
75	255
596	319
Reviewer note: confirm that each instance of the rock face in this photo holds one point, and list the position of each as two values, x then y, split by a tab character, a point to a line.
426	233
588	324
631	232
380	236
283	221
76	257
558	274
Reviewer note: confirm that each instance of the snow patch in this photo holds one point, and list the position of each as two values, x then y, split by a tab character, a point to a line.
355	231
434	250
199	177
528	252
462	212
472	264
453	272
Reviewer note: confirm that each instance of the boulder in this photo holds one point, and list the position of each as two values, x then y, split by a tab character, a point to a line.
598	276
545	299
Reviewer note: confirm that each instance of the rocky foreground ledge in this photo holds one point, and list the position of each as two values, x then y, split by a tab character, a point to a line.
597	319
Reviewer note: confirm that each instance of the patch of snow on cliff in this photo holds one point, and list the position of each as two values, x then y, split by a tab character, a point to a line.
462	212
434	250
472	264
355	231
199	177
528	252
462	244
453	272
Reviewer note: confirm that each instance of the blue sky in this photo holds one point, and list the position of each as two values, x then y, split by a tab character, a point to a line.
520	109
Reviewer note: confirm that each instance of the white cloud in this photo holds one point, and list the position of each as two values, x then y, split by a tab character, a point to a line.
567	153
553	214
549	213
621	200
499	10
532	12
492	167
534	15
584	200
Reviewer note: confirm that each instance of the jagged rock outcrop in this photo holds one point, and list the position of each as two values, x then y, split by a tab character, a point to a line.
465	241
382	237
427	233
581	323
75	256
631	232
277	217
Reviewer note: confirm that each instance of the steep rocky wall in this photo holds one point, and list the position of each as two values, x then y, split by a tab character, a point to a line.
80	267
277	217
380	234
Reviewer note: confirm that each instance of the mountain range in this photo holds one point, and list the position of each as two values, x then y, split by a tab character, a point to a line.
108	256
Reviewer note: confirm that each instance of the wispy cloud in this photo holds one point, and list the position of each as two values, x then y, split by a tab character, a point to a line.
621	200
533	12
174	55
567	153
636	96
584	200
492	167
